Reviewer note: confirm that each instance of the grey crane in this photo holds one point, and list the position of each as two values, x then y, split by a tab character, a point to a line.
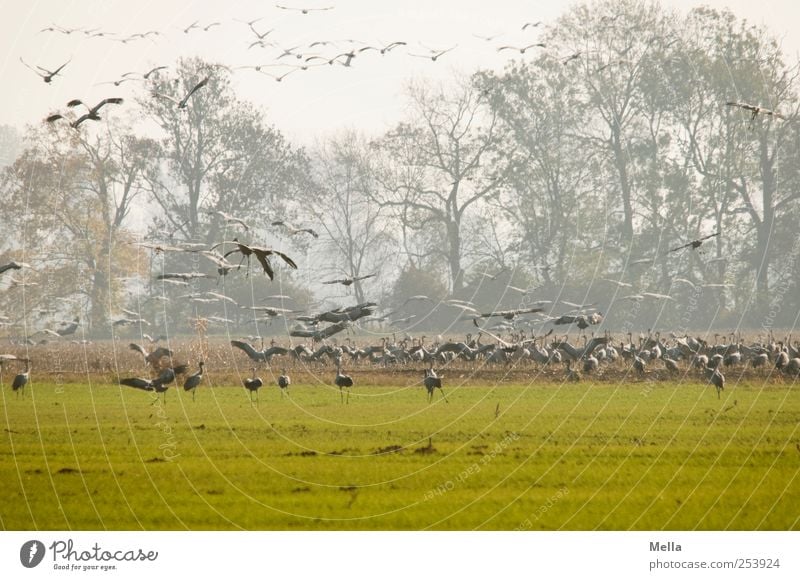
260	355
69	328
716	378
342	381
303	9
694	244
47	75
152	357
349	280
230	219
184	101
291	230
193	381
261	254
433	381
18	385
755	110
283	382
522	49
253	384
434	54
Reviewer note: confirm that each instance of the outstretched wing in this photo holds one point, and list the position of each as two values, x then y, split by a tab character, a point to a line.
137	348
108	101
286	259
264	261
196	88
163	96
251	352
142	384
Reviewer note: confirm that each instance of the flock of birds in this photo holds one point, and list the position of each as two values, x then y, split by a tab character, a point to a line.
279	60
345	53
651	353
593	356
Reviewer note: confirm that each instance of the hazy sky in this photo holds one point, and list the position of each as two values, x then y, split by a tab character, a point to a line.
367	95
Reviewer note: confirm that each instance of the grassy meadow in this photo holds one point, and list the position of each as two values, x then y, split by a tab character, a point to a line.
499	456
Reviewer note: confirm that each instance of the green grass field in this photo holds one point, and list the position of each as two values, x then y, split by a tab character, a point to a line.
540	457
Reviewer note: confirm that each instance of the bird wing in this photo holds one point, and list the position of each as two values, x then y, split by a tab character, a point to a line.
136	383
163	96
239	221
251	352
55	72
151	71
681	247
285	258
264	261
30	67
196	88
108	101
331	330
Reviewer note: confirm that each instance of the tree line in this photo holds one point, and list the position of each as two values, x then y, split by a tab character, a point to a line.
570	174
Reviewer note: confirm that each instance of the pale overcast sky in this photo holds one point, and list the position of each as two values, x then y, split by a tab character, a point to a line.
305	104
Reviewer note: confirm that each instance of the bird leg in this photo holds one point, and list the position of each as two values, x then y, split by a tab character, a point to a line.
444	396
193	393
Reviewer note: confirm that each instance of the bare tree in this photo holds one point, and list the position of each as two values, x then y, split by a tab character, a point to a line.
436	166
356	234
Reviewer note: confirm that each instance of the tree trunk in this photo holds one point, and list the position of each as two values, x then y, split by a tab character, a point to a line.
454	257
624	184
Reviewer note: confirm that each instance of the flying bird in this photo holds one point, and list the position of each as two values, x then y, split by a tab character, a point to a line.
153	357
261	254
755	110
185	276
231	219
317	335
47	75
304	10
91	115
694	244
510	314
349	280
182	103
521	49
434	54
291	230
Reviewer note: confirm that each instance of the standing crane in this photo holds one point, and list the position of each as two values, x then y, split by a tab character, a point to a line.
18	386
193	381
253	384
716	378
342	381
433	381
284	381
